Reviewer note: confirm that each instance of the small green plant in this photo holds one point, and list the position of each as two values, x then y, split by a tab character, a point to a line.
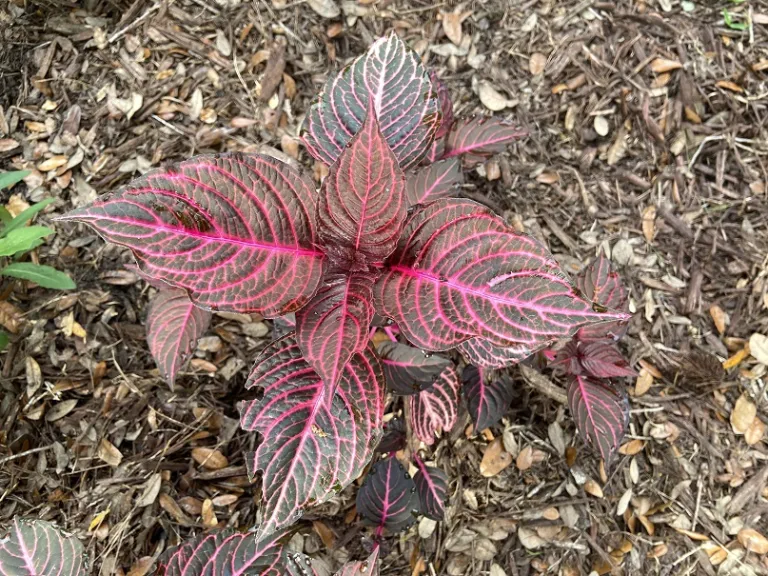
16	239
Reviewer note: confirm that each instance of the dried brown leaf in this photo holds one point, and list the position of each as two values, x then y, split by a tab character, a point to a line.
661	65
209	458
109	453
743	414
495	459
753	541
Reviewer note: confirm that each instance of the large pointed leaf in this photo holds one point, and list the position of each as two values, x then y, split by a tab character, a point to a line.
432	488
488	396
602	284
480	137
38	548
601	413
174	326
485	354
387	499
362	204
435	410
334	326
235	230
435	181
459	272
368	567
392	77
309	450
408	370
228	553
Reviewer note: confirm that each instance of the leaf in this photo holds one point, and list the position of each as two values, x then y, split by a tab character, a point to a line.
325	8
753	541
495	459
602	359
601	413
3	340
432	488
435	410
438	180
480	137
485	354
394	436
8	179
743	414
361	208
44	276
459	271
25	216
390	75
309	451
235	230
445	103
174	325
368	567
487	399
334	326
387	499
408	370
22	239
600	283
38	548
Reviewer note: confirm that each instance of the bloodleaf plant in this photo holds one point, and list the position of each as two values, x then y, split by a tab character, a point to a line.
382	236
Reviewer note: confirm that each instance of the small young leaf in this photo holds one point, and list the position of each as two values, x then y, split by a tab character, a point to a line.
309	451
368	567
485	354
25	216
487	400
435	181
37	548
3	340
435	410
600	283
22	239
44	276
601	413
408	370
480	137
387	499
602	359
8	179
432	488
174	325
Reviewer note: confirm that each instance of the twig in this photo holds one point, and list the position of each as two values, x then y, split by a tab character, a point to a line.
119	34
22	454
543	384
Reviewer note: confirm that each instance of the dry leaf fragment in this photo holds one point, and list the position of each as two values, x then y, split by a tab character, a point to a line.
632	447
109	453
719	317
491	98
743	414
325	8
495	459
758	347
11	318
208	514
643	383
728	85
755	432
548	178
661	65
60	410
97	520
141	566
225	500
734	360
325	533
537	63
525	459
151	491
452	27
52	163
8	144
169	505
209	458
753	541
649	223
529	539
593	488
601	125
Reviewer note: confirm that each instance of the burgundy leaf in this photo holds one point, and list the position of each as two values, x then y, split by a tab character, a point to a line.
435	181
432	488
38	548
601	413
459	272
387	499
228	553
394	437
488	396
362	207
235	230
446	105
309	450
174	325
600	283
334	326
602	359
435	410
485	354
369	567
480	137
390	76
408	370
283	325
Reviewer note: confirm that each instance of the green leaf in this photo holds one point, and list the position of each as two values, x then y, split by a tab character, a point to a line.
5	216
25	216
3	340
44	276
22	239
730	23
8	179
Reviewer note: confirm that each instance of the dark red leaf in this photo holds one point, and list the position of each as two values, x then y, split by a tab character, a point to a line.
602	359
485	354
394	437
446	105
480	137
600	283
601	413
369	567
362	202
309	450
488	396
408	370
387	499
235	231
38	548
435	181
174	325
435	410
459	271
432	488
334	326
392	77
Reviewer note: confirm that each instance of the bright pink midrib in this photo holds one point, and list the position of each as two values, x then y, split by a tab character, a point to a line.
29	564
425	474
468	148
585	397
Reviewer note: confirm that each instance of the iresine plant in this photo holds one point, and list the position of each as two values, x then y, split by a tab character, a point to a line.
381	243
